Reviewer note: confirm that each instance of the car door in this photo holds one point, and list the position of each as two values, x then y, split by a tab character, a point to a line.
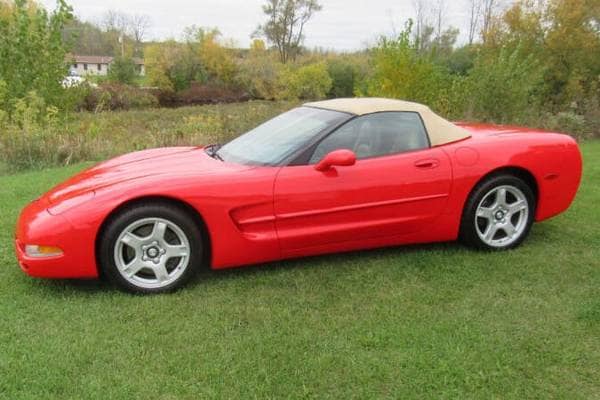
397	186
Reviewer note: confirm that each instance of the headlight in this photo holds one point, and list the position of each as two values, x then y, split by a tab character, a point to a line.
37	251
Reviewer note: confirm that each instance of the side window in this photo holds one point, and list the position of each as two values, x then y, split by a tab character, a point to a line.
376	135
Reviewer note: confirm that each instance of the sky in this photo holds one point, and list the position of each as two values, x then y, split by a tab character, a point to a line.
342	25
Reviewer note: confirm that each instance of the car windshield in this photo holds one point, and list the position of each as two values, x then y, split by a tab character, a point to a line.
275	140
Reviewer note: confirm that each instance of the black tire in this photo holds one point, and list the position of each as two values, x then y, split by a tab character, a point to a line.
468	230
161	210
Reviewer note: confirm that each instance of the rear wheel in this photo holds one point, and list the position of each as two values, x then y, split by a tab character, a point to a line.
498	214
151	248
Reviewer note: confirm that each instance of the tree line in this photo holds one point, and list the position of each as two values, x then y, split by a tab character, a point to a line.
533	62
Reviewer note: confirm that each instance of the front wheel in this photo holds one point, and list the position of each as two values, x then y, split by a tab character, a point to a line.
151	248
498	214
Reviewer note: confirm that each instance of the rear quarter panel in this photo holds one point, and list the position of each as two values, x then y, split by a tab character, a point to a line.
553	159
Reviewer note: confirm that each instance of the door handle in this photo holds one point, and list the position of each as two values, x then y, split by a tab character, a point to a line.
427	164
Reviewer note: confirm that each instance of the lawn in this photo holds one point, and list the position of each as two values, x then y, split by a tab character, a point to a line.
434	321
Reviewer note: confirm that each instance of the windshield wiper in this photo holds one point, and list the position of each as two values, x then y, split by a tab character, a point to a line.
213	150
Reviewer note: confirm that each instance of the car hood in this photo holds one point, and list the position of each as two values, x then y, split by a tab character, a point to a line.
170	161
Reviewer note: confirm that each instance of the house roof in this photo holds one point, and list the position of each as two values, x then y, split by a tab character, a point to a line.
101	59
440	130
92	59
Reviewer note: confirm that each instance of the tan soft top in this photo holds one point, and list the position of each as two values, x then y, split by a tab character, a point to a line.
440	130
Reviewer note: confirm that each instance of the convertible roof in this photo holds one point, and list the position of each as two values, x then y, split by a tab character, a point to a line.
440	130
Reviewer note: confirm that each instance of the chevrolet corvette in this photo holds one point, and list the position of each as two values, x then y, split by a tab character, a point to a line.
329	176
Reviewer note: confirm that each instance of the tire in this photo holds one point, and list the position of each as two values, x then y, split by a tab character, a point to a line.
151	248
491	223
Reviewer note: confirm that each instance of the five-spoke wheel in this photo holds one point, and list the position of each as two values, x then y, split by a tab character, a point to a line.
153	247
499	213
152	252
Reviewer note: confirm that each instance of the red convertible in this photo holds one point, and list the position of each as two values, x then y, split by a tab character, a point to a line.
329	176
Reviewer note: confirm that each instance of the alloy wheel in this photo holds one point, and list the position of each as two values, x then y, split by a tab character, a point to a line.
152	253
501	216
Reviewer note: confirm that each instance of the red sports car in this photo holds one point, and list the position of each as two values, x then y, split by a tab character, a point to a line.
329	176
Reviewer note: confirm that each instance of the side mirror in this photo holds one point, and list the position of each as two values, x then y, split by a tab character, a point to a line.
342	158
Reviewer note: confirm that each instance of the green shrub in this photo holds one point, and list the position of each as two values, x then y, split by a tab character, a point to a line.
308	82
172	66
3	101
209	94
566	122
115	96
400	71
35	136
43	138
32	53
122	70
258	75
503	85
342	78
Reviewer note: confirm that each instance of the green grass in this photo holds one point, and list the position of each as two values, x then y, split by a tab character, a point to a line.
434	321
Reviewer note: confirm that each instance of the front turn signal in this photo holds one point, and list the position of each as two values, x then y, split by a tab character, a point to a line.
32	250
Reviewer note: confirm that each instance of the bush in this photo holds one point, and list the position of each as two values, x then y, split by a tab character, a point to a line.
400	71
342	78
171	66
174	66
43	138
32	54
566	122
3	103
216	59
311	82
35	136
209	94
503	86
259	74
122	70
591	112
116	96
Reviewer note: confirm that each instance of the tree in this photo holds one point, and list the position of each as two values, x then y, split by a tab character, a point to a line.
342	75
172	66
122	70
440	13
285	23
126	32
200	58
474	18
32	53
401	71
161	59
138	28
309	82
503	85
257	45
572	46
423	31
258	73
216	60
87	38
488	13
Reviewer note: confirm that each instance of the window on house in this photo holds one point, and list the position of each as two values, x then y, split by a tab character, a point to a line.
85	67
99	67
75	65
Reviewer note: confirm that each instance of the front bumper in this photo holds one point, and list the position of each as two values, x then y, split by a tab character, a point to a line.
37	226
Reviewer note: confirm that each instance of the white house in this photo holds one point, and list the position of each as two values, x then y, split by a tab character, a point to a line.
99	65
